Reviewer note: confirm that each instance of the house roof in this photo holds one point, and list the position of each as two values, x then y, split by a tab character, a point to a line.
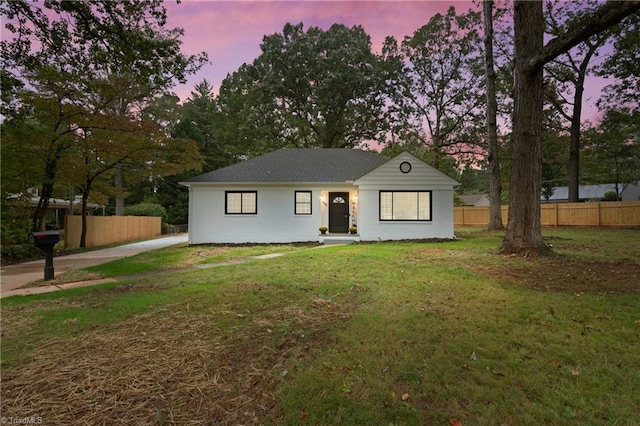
585	192
55	203
472	199
298	165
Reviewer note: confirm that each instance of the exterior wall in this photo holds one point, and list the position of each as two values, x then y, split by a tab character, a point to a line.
275	222
422	177
371	228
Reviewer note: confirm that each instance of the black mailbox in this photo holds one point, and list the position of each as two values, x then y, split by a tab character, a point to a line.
44	238
45	241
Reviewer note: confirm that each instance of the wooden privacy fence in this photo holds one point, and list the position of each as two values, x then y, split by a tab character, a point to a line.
620	213
103	230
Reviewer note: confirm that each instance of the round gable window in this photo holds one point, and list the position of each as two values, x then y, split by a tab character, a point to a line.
405	167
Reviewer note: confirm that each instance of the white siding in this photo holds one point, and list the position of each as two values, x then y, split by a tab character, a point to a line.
422	177
371	228
275	222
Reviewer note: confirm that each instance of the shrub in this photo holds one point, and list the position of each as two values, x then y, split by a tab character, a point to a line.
146	209
16	225
611	196
17	253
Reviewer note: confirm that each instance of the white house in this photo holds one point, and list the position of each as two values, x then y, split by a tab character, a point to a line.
287	195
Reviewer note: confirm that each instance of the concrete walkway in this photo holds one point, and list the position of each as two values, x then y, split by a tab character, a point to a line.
14	277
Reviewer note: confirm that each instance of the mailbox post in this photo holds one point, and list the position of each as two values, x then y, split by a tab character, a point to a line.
45	241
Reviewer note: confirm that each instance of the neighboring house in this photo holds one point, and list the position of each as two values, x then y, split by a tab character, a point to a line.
475	200
287	195
629	192
58	208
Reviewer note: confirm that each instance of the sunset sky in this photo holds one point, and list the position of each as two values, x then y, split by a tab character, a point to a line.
231	31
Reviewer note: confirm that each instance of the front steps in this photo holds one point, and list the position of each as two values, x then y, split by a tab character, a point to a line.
333	239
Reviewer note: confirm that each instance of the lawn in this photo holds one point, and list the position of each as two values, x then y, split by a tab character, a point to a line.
400	333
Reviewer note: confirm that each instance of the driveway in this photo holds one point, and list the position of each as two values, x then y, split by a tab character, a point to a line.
16	276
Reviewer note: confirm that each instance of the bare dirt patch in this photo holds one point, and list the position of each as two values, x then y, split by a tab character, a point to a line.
554	274
170	367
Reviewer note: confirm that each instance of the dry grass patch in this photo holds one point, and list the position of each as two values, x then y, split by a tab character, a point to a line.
169	366
340	336
557	274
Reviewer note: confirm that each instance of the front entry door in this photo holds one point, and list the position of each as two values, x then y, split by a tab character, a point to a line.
338	212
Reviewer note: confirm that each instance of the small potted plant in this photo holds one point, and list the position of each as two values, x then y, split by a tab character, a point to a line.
323	229
353	230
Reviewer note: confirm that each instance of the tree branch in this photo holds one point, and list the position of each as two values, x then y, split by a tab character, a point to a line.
604	17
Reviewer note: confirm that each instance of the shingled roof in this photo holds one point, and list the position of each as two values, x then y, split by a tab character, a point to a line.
298	165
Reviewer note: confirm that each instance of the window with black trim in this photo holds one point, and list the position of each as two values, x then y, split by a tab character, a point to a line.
303	202
405	205
241	202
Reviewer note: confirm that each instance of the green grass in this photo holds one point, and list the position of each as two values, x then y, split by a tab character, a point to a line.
182	256
339	335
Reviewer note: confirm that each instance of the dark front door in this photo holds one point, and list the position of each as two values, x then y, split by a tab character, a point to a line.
338	212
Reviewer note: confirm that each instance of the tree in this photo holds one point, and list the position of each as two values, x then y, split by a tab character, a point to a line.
554	168
140	146
569	71
199	119
474	180
624	65
612	152
90	44
309	88
439	96
524	229
50	118
493	159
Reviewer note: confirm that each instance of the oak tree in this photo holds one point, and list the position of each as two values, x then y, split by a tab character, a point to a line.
439	97
524	229
308	88
569	72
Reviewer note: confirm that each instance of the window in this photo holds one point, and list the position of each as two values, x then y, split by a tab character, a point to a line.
241	202
405	205
338	200
303	202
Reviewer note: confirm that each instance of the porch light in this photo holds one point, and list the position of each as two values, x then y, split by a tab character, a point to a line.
354	199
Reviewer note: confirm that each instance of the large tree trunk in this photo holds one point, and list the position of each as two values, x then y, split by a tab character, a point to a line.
524	228
495	182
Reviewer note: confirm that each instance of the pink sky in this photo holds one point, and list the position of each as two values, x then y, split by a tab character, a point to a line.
231	31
